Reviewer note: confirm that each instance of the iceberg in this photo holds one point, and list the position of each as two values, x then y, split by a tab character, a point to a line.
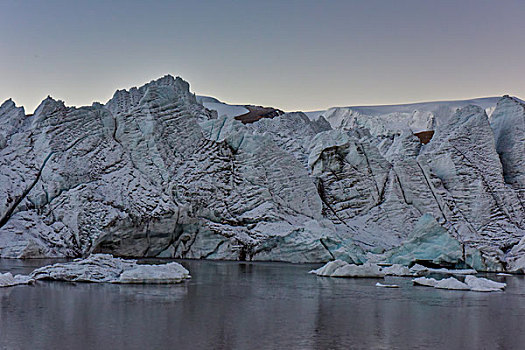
471	283
8	280
452	284
426	282
340	268
483	285
104	268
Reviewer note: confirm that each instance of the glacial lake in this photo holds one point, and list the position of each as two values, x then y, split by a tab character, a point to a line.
236	305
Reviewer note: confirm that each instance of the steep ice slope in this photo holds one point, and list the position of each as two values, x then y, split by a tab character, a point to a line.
463	163
508	123
140	177
377	188
96	177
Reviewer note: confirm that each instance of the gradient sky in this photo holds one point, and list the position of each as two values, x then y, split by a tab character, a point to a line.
295	55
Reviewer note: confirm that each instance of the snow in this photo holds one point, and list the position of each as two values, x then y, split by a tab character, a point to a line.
414	116
222	109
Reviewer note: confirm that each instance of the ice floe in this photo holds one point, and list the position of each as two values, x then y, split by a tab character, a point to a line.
471	283
106	268
8	280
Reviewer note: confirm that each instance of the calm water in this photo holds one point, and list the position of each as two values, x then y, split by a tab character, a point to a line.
230	305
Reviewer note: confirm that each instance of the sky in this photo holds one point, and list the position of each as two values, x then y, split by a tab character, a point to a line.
294	55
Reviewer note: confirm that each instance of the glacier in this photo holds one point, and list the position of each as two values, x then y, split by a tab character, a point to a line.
154	173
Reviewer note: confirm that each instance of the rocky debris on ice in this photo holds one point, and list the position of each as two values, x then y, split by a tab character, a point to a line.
471	283
340	268
105	268
386	285
8	280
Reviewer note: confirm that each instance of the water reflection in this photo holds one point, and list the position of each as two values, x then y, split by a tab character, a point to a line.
231	305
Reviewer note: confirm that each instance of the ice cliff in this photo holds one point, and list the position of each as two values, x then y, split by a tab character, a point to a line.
154	173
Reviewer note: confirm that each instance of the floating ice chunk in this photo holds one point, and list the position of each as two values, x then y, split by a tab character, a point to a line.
451	283
7	280
483	285
418	269
426	282
454	271
106	268
471	283
365	270
329	268
167	273
386	285
504	274
339	268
